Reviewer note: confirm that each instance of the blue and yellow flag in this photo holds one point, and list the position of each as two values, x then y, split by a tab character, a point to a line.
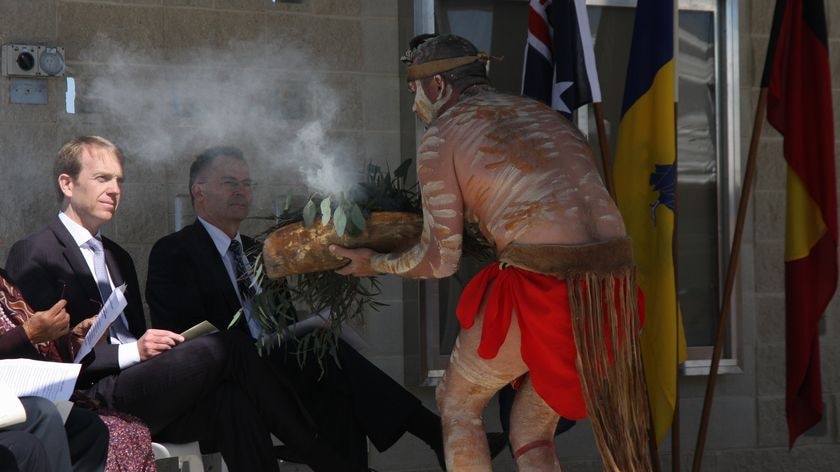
645	182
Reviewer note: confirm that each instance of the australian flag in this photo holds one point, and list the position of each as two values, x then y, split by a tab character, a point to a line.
559	58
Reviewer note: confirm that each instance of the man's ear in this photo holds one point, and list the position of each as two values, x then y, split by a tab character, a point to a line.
438	85
65	183
196	191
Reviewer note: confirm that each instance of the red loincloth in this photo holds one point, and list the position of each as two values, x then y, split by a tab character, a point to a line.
548	347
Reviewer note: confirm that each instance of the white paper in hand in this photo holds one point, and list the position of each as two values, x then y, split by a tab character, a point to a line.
31	378
111	310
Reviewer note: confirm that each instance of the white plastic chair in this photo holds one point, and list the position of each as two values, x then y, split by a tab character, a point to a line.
186	452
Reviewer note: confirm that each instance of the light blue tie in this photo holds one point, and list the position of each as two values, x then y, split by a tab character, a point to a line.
99	268
119	328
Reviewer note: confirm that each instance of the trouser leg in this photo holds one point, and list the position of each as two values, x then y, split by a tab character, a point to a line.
87	437
44	422
237	429
23	453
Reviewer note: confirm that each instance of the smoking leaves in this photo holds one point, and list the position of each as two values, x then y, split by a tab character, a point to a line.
309	213
346	215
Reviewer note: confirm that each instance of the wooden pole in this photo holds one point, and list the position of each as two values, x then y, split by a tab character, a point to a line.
732	270
675	251
604	142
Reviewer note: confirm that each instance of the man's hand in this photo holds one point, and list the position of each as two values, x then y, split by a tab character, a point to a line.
48	325
157	341
359	261
78	333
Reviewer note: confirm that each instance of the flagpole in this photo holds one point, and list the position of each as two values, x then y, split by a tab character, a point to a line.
675	419
604	143
732	270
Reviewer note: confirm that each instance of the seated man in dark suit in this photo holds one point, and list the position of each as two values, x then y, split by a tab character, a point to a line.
210	387
193	277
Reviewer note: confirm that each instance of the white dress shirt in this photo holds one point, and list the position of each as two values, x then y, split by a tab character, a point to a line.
129	352
222	243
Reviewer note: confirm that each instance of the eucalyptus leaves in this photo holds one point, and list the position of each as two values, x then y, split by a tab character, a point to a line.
346	215
382	191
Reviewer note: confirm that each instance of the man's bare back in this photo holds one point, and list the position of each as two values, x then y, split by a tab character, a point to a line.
514	167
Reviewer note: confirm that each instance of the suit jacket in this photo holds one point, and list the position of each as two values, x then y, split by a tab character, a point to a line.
187	281
48	265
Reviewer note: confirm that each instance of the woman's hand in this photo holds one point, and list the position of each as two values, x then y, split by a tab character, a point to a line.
48	325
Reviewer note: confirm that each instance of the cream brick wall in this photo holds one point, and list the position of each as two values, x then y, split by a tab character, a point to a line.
278	67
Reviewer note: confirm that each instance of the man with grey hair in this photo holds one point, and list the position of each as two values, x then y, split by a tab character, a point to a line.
563	290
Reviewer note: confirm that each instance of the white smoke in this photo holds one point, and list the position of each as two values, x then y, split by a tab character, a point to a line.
259	95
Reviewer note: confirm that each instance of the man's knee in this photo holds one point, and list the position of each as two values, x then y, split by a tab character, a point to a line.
41	413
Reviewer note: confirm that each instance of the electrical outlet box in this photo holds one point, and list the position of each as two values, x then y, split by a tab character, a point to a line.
24	60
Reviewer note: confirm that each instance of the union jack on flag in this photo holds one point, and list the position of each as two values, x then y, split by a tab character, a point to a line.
559	57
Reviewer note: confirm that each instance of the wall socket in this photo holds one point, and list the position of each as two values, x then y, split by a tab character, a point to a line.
24	60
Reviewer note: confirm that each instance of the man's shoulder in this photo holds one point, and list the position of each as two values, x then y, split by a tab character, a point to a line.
113	246
39	241
185	237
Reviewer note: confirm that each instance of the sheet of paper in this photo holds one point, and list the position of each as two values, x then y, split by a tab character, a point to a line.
11	410
111	310
30	378
205	327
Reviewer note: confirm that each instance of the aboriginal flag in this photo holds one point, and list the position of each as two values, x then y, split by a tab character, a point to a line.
798	81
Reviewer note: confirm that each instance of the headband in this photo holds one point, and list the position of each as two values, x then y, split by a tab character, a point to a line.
428	69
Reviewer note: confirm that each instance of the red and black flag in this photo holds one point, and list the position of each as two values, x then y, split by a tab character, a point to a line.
798	81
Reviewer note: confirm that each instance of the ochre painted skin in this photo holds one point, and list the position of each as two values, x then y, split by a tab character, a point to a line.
523	174
515	168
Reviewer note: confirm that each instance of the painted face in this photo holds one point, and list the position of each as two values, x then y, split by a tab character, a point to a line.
95	194
422	107
226	192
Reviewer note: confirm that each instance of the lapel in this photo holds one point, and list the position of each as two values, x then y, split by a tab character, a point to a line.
208	256
112	263
73	255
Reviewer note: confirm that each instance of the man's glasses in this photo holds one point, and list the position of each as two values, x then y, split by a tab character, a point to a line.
232	185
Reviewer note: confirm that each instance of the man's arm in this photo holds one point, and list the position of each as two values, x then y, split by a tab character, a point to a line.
42	286
172	289
27	271
439	250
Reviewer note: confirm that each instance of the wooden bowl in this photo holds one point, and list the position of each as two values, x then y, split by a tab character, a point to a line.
294	249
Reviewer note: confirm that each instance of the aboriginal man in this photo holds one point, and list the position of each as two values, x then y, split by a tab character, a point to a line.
549	316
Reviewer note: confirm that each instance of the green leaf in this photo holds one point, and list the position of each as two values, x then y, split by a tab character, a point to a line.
235	319
309	214
340	221
325	211
287	203
357	218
